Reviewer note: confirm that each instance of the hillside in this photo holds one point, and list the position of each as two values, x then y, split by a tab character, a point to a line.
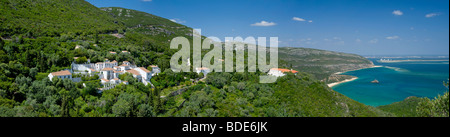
321	63
33	18
25	89
405	108
420	107
159	30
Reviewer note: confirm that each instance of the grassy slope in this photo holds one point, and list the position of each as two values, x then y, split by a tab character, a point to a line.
313	98
405	108
53	17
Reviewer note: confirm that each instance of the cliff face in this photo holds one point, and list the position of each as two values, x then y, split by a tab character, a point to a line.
322	64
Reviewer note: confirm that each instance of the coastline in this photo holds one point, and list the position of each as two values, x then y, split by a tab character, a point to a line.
331	85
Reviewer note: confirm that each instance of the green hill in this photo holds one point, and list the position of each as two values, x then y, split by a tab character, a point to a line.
405	108
34	18
321	63
48	45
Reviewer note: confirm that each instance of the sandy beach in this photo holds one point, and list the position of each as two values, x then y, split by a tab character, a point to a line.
340	82
347	80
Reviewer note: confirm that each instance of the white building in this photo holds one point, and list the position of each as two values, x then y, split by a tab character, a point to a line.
155	70
203	70
278	72
146	74
115	81
135	74
101	65
107	73
60	74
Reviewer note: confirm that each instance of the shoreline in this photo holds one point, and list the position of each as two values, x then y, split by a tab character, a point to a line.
331	85
396	61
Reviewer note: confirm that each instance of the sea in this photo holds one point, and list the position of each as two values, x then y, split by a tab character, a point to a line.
423	77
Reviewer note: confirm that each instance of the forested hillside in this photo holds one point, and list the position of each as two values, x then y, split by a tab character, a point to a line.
35	18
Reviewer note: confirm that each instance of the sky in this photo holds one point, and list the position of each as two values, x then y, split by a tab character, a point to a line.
364	27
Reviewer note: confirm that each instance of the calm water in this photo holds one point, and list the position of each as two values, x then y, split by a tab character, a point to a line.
397	82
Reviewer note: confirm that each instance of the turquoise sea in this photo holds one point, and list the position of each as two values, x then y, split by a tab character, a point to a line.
397	81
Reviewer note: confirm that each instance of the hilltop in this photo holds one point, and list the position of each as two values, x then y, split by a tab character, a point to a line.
53	18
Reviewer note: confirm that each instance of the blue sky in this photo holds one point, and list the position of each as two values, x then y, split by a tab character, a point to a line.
365	27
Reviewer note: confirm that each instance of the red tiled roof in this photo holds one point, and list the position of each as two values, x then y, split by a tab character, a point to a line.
202	68
108	69
134	72
284	70
144	69
62	73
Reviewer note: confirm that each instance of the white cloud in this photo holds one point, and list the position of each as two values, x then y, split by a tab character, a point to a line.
397	12
337	38
393	37
146	0
374	41
264	24
301	19
358	40
298	19
430	15
177	21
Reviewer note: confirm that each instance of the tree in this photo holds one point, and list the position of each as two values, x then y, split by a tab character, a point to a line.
81	60
3	56
146	110
438	107
201	75
121	108
33	72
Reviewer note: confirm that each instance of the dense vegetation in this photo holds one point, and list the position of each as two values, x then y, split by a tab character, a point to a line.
35	18
28	53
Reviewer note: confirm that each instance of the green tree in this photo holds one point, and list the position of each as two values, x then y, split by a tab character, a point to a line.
81	60
33	72
146	110
438	107
122	108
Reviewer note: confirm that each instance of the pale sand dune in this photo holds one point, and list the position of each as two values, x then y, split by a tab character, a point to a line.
340	82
